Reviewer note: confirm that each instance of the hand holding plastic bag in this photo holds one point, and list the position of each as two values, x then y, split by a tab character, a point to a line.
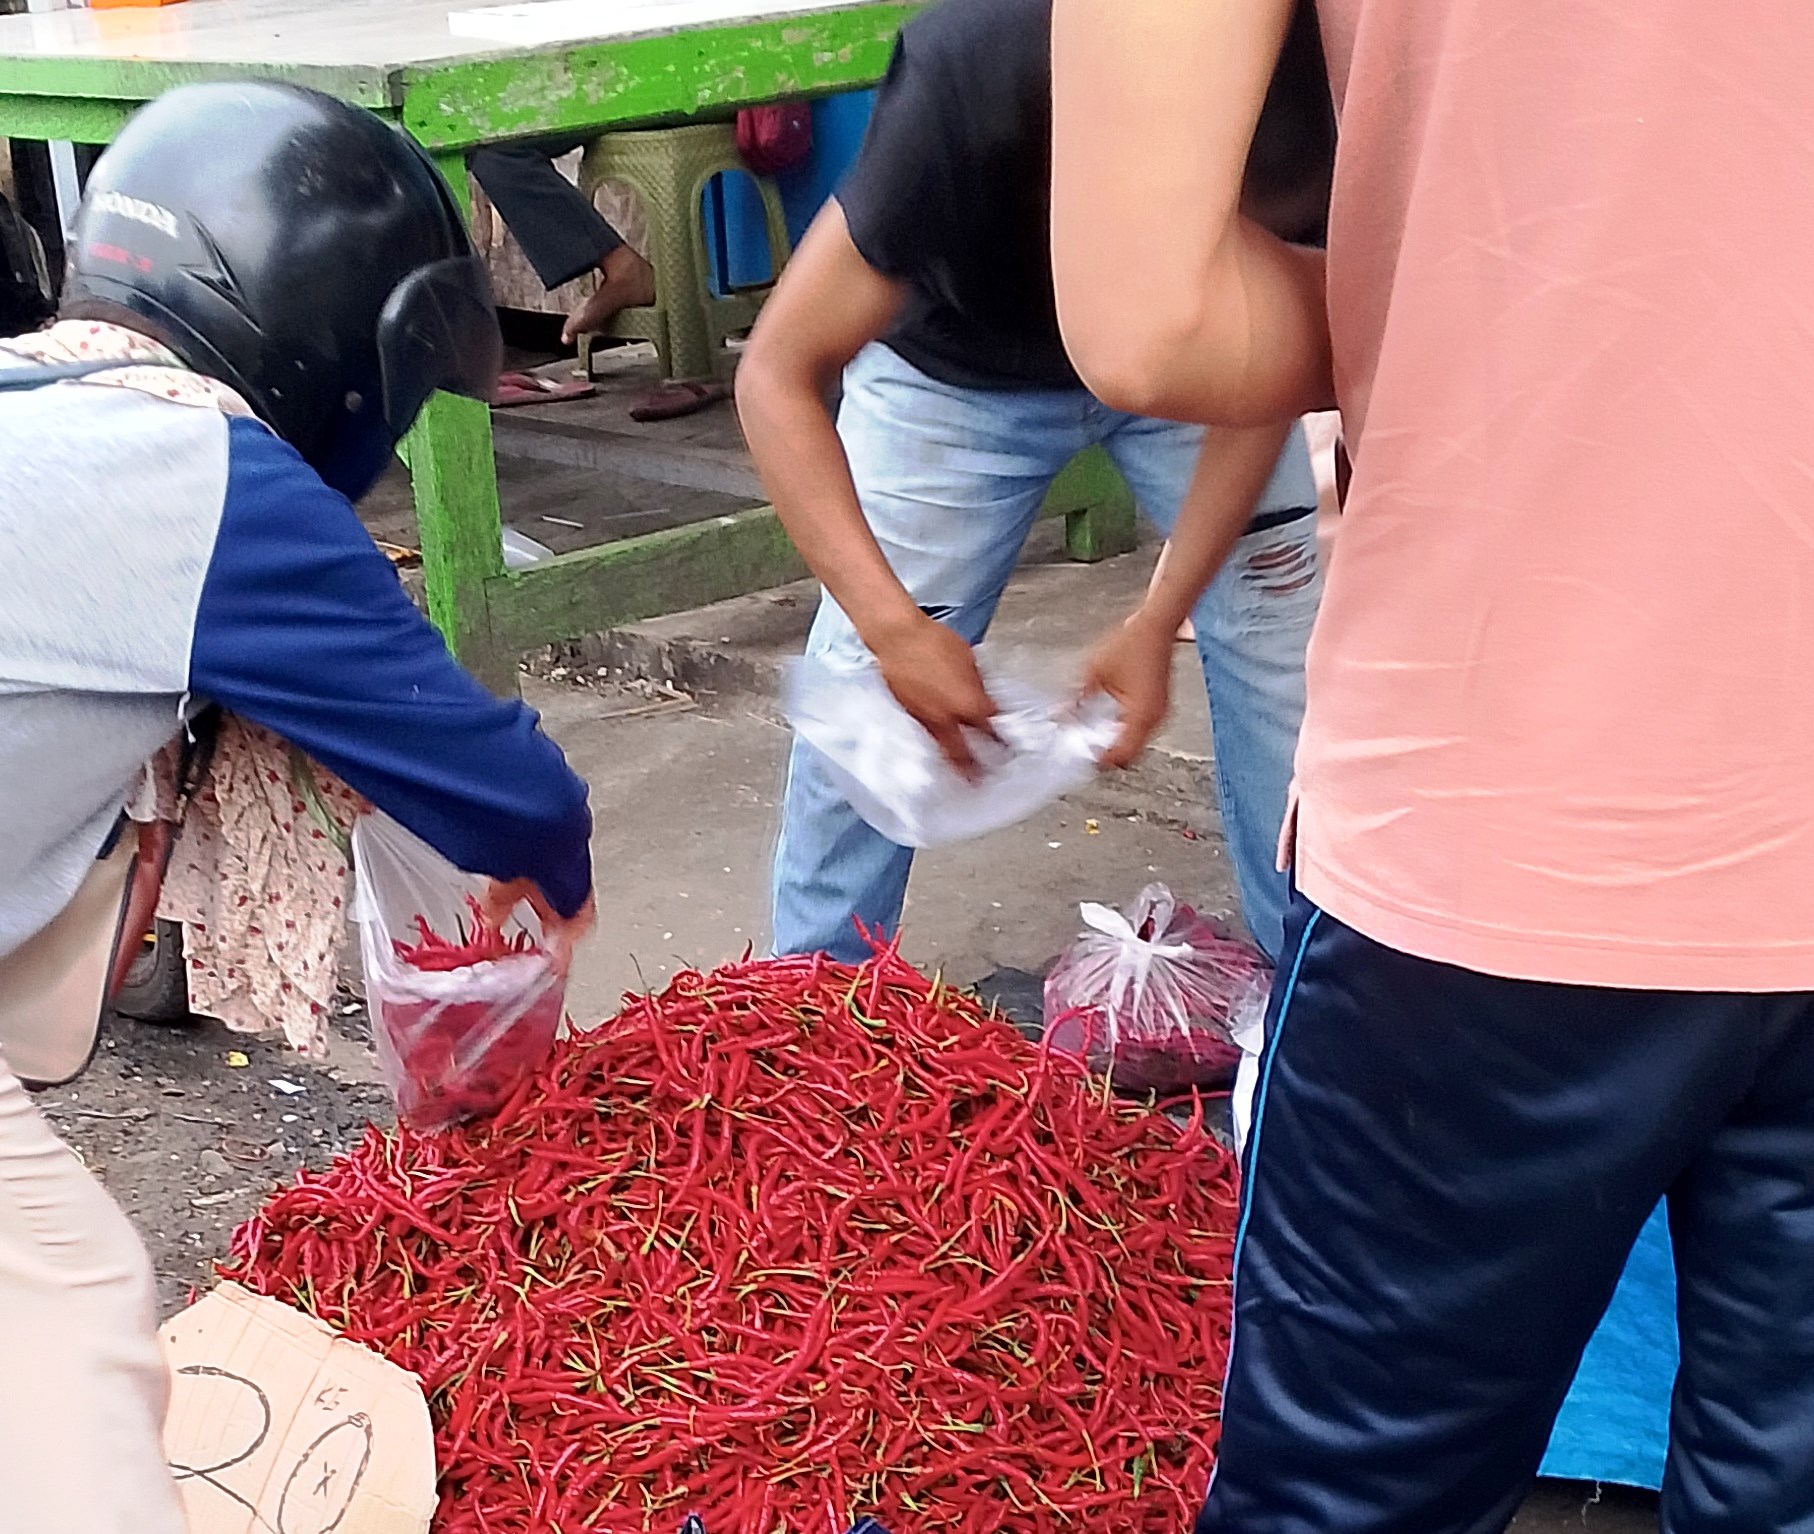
560	934
897	779
1156	995
463	1009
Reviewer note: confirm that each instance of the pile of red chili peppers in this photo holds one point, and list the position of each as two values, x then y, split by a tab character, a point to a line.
788	1244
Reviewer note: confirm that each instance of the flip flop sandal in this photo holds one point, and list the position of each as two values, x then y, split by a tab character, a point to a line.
671	401
533	389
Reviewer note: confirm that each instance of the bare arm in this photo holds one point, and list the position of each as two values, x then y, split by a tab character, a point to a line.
828	306
1171	301
1232	471
1133	662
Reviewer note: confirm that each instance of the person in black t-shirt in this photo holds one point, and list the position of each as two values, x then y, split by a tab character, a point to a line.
926	284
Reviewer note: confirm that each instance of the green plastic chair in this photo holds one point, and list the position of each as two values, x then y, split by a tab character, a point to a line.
670	169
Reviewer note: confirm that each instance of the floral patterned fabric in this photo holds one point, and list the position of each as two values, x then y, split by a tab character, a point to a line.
260	878
159	372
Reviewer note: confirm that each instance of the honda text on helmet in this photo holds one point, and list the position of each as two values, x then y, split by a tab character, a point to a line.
331	282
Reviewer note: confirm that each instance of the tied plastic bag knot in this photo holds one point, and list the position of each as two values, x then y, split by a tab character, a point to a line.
1157	997
461	1014
895	777
1111	923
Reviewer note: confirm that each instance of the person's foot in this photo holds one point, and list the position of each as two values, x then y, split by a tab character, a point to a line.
625	282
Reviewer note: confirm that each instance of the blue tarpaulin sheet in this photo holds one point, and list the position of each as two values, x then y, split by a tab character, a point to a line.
1614	1427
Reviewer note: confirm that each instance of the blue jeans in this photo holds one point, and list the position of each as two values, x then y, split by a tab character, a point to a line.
951	481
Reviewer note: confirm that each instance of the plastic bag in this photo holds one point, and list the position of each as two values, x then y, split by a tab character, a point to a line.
454	1041
1250	1038
1154	997
895	777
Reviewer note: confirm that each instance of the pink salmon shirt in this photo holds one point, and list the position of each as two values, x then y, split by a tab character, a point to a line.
1561	719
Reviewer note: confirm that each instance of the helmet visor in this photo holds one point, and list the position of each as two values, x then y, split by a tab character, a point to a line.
438	330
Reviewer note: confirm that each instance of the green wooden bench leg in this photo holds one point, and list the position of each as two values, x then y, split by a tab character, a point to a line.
456	484
1097	507
455	479
1101	531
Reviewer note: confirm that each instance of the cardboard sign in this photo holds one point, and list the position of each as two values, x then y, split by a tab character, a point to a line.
277	1426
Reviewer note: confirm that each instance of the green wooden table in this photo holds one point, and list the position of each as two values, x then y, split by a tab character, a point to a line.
456	74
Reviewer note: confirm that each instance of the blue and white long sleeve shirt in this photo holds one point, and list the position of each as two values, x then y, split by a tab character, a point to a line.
153	555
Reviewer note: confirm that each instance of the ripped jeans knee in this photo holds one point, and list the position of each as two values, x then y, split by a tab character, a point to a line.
1273	580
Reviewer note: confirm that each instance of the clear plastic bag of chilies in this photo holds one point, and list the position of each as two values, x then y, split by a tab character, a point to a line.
461	1011
1153	997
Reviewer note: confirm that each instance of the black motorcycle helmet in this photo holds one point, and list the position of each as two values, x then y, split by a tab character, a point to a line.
300	251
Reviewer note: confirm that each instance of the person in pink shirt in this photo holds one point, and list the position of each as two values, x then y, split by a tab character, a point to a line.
1553	948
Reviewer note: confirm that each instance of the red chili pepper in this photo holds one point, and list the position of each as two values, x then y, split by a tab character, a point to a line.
785	1245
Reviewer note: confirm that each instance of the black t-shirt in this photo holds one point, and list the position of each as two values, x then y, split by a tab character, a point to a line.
951	191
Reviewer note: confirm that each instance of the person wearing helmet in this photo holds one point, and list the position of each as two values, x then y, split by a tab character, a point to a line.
264	288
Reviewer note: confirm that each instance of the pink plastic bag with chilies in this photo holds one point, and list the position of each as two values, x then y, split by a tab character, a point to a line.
1151	996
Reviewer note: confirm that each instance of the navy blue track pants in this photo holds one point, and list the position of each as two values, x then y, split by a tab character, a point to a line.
1445	1176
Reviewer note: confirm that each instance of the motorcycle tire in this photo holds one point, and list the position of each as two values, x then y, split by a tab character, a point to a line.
156	988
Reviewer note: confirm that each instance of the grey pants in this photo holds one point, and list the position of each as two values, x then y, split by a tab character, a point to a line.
560	231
